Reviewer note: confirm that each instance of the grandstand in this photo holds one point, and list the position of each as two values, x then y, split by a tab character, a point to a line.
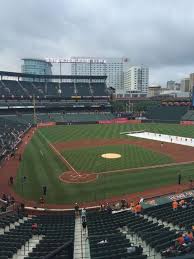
56	98
166	113
45	86
112	232
11	133
188	116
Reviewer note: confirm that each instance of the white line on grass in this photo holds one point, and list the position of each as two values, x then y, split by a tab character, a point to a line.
59	154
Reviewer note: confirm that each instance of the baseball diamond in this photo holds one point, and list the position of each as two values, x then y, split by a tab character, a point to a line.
68	160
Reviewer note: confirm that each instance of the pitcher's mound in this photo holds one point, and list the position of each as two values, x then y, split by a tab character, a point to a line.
111	155
72	177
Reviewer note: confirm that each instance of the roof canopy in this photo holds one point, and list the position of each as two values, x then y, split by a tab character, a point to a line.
23	75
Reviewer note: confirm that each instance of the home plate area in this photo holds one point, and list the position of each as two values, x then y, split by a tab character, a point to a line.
163	138
75	177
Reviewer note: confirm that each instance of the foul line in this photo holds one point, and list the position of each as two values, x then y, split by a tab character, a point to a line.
59	154
145	167
112	171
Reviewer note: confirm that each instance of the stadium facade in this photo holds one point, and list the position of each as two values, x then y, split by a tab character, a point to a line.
36	66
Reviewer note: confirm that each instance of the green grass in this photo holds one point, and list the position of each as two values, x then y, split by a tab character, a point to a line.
77	132
90	160
42	166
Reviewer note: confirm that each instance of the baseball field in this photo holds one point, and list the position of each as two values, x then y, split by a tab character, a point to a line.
83	163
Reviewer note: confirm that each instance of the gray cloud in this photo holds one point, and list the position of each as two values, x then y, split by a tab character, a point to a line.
156	33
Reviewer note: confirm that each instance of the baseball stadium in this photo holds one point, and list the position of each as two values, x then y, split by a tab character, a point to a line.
68	153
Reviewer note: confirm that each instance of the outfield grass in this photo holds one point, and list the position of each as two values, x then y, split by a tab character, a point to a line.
97	131
90	160
42	166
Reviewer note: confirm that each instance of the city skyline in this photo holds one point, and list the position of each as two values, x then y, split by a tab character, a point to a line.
99	66
157	34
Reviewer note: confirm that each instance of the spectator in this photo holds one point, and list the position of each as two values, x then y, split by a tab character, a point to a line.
34	227
181	202
179	241
117	206
44	189
132	206
84	225
187	239
76	209
4	197
138	209
123	204
102	207
12	200
184	205
108	208
83	214
174	205
22	206
190	235
11	180
192	202
41	200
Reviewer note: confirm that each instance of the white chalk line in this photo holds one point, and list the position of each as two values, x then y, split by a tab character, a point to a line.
59	154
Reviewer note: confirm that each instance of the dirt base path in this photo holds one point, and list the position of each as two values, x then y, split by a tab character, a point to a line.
11	166
71	177
175	151
179	153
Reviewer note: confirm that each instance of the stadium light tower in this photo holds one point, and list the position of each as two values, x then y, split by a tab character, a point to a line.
75	61
89	61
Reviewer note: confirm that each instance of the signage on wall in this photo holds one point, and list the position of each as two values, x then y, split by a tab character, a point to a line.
75	60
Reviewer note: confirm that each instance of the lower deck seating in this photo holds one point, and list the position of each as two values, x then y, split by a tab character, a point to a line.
56	229
106	241
166	114
7	219
188	116
14	239
183	216
10	132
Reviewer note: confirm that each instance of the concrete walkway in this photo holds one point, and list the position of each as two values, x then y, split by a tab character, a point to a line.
81	241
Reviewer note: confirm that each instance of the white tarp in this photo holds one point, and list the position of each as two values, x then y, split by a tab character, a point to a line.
163	138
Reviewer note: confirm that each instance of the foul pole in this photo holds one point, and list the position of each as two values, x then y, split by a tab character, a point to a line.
34	110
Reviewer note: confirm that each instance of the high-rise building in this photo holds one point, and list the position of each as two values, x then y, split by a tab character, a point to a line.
185	85
170	85
113	68
191	83
36	66
154	90
136	78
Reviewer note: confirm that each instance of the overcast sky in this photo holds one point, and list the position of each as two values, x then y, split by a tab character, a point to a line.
157	33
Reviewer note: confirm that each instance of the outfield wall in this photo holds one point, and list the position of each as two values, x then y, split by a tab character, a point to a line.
46	124
186	123
120	121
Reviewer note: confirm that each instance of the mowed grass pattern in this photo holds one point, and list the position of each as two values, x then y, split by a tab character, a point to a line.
90	160
77	132
42	166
